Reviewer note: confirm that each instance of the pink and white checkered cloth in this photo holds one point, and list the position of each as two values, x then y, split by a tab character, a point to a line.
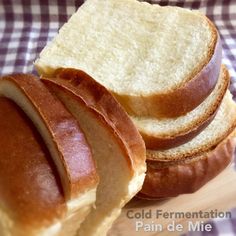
27	25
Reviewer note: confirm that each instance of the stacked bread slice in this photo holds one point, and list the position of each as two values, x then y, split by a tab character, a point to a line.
157	61
163	64
169	132
185	168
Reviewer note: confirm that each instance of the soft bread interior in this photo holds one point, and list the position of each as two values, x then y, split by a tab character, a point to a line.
223	123
117	182
172	127
151	54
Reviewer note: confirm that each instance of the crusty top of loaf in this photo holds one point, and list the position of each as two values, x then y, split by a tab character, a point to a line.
59	129
132	47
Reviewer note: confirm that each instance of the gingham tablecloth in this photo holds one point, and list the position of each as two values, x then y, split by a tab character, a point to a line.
27	25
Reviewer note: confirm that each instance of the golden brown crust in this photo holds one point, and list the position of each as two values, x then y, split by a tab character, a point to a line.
79	173
30	189
102	104
187	133
156	143
188	177
188	95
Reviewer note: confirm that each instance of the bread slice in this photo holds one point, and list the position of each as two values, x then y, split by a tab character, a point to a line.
61	133
32	202
171	132
117	146
187	176
222	125
157	61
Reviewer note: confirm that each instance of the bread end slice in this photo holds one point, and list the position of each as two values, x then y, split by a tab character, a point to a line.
60	131
31	196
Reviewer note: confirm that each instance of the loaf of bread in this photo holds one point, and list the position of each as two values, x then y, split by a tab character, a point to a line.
118	148
157	61
33	199
107	136
163	65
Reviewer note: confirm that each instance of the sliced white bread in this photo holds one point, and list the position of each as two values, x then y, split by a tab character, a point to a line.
170	132
157	61
187	176
223	124
62	135
117	146
32	202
